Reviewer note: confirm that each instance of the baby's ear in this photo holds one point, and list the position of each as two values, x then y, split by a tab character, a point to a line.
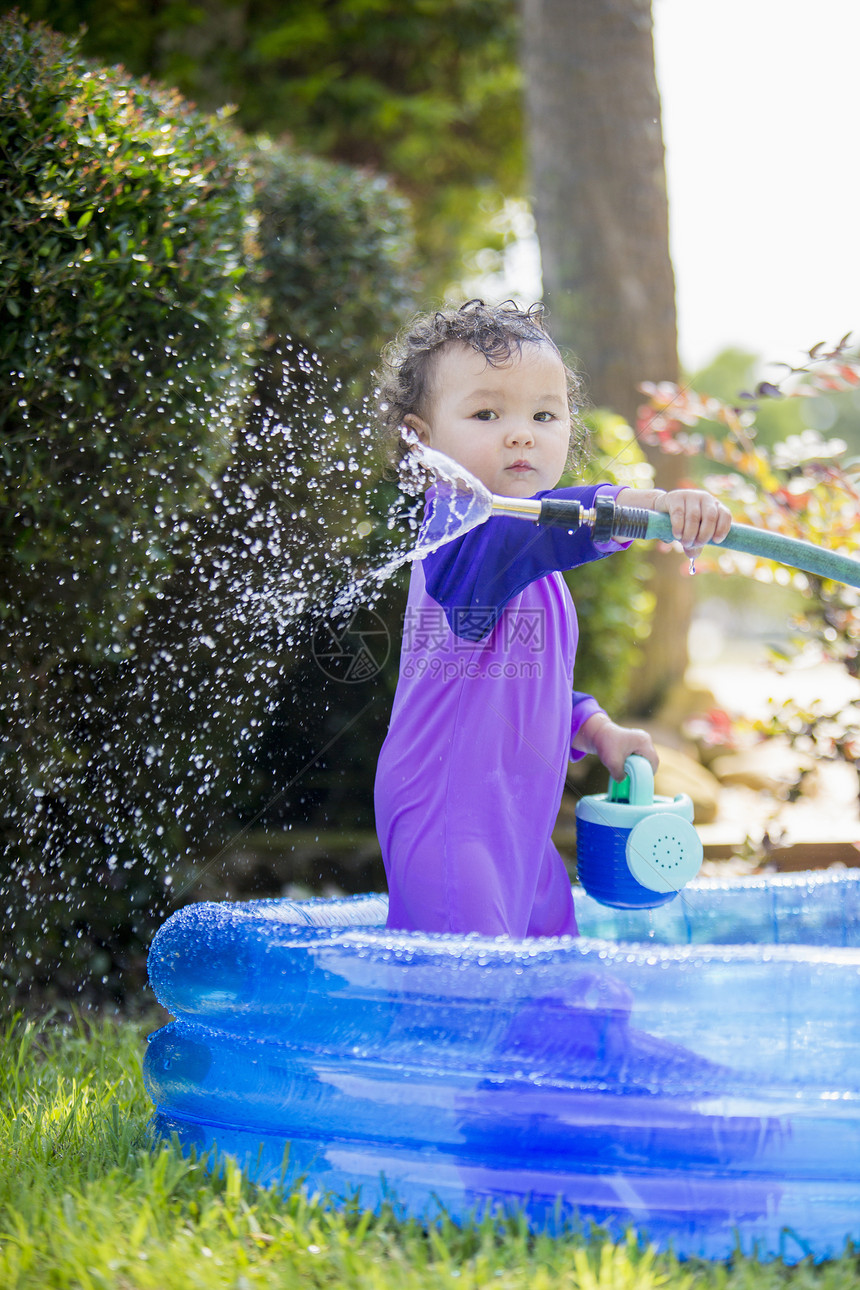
418	427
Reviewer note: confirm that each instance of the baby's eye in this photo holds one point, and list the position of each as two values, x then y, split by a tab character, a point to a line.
486	414
544	416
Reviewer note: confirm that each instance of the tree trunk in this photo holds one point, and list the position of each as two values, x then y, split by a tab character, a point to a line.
599	189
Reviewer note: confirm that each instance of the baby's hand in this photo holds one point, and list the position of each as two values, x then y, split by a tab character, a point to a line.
613	744
697	518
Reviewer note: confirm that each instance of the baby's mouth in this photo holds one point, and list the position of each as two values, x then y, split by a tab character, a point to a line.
520	466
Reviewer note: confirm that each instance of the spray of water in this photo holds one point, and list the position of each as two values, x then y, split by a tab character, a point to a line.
124	774
456	501
127	771
450	502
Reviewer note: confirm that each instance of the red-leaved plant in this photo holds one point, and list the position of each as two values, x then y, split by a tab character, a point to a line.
805	487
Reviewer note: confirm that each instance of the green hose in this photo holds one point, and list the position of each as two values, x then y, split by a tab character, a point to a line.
607	521
763	543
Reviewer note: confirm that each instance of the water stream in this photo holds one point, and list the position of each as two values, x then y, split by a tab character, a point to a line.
450	502
125	775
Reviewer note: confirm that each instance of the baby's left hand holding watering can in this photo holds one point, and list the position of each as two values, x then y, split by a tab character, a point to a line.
635	850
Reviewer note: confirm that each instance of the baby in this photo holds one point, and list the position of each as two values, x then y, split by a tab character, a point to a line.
485	718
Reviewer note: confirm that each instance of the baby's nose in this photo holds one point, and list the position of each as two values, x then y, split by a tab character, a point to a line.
521	433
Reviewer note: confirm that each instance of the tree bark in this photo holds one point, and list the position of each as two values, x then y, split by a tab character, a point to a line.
599	190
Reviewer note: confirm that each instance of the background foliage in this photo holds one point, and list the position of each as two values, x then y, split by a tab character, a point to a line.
759	452
427	93
124	347
124	231
136	456
614	604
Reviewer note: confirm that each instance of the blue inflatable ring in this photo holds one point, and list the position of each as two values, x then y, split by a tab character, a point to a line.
691	1071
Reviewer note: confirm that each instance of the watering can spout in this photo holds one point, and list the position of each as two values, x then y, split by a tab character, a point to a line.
635	850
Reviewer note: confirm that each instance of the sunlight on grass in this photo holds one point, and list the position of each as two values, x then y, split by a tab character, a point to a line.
87	1200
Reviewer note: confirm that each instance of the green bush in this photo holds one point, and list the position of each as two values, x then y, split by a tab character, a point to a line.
336	279
613	602
154	428
335	257
125	225
123	230
333	279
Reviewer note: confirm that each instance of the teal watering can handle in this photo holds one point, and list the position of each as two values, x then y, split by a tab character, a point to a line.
637	787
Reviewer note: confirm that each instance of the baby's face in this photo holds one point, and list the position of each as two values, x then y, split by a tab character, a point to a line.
509	425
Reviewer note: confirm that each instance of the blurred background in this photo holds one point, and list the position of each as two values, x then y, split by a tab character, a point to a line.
214	216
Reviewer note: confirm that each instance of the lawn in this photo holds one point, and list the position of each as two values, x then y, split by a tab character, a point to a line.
86	1200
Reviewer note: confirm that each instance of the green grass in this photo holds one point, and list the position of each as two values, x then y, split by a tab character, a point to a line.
86	1200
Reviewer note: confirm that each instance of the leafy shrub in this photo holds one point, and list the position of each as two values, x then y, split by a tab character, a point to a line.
124	232
613	602
335	257
149	491
806	487
335	278
123	229
297	502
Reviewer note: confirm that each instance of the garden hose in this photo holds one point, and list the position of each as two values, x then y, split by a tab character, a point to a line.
610	522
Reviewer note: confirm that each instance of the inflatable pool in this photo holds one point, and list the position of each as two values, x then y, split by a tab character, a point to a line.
691	1071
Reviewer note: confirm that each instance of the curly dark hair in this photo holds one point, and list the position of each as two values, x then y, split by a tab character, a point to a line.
496	331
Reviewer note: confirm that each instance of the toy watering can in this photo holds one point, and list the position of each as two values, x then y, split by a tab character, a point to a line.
635	850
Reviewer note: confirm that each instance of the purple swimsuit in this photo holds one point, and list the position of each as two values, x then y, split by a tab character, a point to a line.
471	772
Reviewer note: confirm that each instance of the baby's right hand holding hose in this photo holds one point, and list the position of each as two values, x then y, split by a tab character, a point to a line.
697	518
